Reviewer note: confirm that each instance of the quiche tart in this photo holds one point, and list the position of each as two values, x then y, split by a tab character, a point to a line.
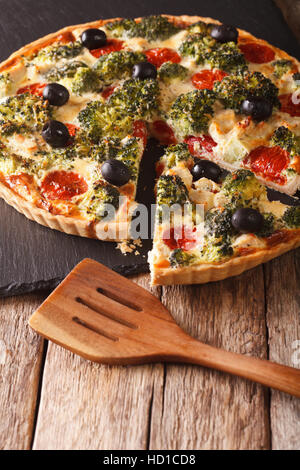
77	107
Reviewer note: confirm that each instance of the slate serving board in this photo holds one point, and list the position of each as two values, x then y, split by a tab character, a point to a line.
33	257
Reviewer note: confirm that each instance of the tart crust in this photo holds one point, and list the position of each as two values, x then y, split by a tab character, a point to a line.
202	273
85	228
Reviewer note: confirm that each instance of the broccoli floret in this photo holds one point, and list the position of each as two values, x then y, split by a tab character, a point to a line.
216	249
125	28
151	28
100	120
242	188
103	194
281	67
157	27
268	226
177	153
195	46
190	113
226	57
234	89
117	65
24	112
45	160
200	27
218	223
85	80
179	258
36	166
219	231
67	70
59	51
11	163
106	149
129	154
136	98
82	79
83	147
259	85
9	128
171	190
286	139
291	217
170	71
128	151
206	50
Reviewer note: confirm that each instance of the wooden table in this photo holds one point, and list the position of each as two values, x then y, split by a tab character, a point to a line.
51	399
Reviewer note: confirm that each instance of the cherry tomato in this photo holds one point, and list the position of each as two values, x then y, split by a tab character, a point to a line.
20	183
198	146
268	162
181	237
287	105
63	185
160	55
33	89
163	132
140	130
107	92
72	129
112	45
206	78
65	37
257	53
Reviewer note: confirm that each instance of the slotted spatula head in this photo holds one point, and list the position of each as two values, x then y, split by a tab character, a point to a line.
104	317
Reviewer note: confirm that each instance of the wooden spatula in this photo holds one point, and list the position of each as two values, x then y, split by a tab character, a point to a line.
107	318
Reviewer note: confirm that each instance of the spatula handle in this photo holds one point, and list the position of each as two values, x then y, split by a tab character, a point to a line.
284	378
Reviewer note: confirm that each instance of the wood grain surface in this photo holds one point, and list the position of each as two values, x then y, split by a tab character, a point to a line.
52	399
21	352
88	406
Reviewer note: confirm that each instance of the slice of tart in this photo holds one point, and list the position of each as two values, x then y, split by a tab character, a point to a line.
220	225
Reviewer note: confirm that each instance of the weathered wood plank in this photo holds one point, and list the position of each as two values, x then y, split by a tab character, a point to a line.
20	366
89	406
283	322
204	409
172	406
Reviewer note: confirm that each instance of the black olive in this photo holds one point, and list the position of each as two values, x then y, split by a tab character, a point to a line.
115	172
56	94
206	169
93	38
144	70
257	107
247	220
224	33
56	134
